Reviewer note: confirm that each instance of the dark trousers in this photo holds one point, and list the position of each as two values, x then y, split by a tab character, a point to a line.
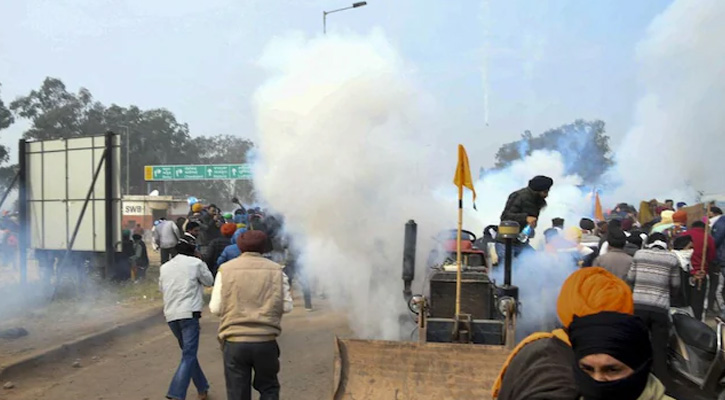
658	324
713	281
697	298
167	254
241	359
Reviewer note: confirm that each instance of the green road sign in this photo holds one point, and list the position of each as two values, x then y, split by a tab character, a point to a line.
197	172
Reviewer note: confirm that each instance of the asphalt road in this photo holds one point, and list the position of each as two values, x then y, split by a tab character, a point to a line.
140	366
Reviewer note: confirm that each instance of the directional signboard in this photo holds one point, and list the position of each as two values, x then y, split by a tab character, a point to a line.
197	172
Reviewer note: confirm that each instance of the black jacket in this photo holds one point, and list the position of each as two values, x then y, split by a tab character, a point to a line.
521	204
215	249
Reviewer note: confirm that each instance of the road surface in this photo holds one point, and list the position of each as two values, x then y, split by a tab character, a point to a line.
140	366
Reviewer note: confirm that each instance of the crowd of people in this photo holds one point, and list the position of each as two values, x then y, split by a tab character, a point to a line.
638	264
249	261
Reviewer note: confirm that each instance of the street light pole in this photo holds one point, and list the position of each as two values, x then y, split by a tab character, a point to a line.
324	13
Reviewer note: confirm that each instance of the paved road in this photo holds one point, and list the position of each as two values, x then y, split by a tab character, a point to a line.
140	366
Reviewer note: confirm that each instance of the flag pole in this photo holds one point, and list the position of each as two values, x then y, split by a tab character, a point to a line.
458	250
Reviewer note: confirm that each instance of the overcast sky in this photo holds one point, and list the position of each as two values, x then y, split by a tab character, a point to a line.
549	62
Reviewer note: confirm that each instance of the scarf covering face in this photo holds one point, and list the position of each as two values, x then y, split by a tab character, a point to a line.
622	336
587	291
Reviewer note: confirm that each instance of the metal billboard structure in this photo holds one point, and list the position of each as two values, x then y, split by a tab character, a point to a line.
69	196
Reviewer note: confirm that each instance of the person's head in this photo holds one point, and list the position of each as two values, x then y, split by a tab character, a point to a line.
616	238
715	212
197	207
681	205
573	234
682	242
193	228
137	237
180	220
613	355
627	224
557	222
697	225
587	224
666	216
126	234
657	241
680	217
670	204
592	290
254	242
185	248
228	229
637	238
550	234
213	209
541	185
603	227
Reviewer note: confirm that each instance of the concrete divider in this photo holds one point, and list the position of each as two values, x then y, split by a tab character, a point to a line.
79	346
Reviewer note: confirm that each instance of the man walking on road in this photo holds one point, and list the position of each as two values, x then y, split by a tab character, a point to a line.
181	281
250	295
166	236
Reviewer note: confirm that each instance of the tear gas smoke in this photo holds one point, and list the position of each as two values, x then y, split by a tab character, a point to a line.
348	153
675	145
346	156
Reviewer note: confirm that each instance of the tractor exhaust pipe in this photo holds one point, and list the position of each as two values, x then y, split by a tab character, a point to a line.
409	247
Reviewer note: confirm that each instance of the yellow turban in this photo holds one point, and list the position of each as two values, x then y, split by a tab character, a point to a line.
197	207
590	291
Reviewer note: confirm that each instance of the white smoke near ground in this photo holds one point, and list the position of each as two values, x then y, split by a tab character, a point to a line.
675	145
346	155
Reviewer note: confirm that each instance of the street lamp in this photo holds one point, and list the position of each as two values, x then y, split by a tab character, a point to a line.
324	13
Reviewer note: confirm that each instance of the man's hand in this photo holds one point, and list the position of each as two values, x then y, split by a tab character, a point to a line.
531	221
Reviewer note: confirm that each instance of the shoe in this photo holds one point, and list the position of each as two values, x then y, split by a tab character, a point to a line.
308	309
203	396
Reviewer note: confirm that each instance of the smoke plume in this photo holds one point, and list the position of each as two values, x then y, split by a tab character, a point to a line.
678	132
346	156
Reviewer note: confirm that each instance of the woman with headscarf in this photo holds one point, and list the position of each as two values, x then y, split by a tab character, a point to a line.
542	365
613	358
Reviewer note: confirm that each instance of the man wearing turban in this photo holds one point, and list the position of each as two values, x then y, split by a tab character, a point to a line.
541	366
524	207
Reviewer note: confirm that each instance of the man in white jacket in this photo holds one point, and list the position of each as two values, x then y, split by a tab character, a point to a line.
166	236
182	282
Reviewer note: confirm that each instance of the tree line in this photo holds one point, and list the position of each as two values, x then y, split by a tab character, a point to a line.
154	137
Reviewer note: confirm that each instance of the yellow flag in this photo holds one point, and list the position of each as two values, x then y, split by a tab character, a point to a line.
598	213
463	173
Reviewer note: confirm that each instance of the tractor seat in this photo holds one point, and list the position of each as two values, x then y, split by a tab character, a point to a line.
695	333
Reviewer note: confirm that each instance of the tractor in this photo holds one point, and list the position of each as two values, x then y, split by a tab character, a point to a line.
457	355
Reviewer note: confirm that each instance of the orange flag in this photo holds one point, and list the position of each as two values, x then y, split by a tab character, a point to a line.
463	174
598	214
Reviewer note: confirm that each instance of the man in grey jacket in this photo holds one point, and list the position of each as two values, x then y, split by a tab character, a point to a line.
166	236
616	261
182	282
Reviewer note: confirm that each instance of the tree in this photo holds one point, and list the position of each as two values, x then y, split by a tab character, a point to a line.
583	145
7	172
154	137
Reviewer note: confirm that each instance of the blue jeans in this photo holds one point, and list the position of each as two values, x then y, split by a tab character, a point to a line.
187	333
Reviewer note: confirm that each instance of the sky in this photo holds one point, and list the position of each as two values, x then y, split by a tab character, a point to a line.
542	63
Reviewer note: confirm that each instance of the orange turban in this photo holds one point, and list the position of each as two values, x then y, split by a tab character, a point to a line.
228	229
680	217
590	291
197	207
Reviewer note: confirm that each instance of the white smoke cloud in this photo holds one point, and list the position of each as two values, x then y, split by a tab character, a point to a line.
346	155
675	145
349	151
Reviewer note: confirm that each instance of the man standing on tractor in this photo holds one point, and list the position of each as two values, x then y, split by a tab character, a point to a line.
524	206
